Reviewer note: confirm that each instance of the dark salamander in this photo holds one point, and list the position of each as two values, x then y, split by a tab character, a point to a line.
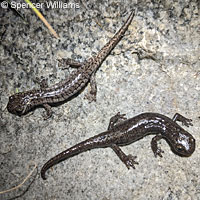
122	131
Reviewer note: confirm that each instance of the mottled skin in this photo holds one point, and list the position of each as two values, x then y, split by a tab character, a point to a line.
21	103
122	131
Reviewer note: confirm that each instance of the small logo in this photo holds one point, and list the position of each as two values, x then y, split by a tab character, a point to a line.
4	4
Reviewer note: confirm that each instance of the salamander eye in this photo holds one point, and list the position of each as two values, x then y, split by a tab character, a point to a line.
19	109
179	147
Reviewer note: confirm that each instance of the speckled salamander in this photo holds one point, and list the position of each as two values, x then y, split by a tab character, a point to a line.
21	103
122	131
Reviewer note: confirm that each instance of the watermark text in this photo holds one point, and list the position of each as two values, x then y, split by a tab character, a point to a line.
47	4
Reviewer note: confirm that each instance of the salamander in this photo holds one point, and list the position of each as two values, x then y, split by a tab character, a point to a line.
22	102
122	131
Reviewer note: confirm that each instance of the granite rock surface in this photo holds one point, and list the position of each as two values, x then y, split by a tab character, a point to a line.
154	68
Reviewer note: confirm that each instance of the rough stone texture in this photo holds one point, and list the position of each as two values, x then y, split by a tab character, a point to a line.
155	67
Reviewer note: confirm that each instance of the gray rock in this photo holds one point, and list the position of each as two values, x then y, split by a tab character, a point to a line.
154	68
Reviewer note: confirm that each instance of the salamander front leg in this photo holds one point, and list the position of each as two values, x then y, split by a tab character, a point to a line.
66	62
48	109
43	84
154	146
116	119
185	121
128	160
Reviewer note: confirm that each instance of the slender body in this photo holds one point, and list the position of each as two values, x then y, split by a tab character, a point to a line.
122	131
21	103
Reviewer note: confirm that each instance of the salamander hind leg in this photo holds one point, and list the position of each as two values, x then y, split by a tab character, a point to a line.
185	121
154	146
116	119
65	63
91	95
128	160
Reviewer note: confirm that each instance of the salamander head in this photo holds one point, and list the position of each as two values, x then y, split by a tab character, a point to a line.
184	143
19	103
